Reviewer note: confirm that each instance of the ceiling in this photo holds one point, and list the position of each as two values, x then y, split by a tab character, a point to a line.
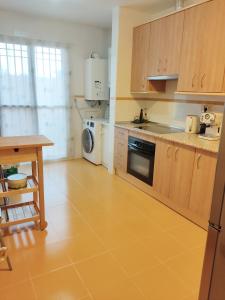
93	12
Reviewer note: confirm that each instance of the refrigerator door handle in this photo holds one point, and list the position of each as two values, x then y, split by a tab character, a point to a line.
214	226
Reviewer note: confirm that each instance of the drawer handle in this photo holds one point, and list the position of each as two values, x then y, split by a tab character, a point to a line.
159	65
198	161
176	153
193	80
166	63
202	80
16	149
167	152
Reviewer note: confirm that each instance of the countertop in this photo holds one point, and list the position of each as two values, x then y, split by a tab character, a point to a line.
181	138
31	141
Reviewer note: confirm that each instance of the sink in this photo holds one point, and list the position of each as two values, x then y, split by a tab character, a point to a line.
159	128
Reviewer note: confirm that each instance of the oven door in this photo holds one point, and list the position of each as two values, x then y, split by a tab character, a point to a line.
140	164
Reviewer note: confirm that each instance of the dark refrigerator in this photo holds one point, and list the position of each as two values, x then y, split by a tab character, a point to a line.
213	276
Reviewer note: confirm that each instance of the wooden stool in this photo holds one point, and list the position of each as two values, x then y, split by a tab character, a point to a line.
4	254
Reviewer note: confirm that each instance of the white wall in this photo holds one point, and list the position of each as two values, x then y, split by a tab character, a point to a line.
81	40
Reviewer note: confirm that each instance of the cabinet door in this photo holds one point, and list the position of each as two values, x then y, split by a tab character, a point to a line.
121	149
163	166
157	38
182	171
191	50
165	44
173	40
203	49
140	55
202	184
213	54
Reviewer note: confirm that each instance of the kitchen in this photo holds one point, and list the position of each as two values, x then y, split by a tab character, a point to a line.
120	239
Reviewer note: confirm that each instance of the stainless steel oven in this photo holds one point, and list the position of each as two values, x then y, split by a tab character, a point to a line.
141	157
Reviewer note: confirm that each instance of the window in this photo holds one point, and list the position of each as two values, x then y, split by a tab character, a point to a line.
34	94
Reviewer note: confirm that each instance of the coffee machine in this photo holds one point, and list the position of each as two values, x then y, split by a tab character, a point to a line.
211	122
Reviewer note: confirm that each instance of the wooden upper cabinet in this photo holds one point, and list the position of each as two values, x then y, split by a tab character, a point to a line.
203	49
140	55
165	45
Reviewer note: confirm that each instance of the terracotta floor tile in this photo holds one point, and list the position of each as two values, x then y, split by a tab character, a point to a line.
19	273
125	290
70	228
46	258
166	218
83	247
189	235
22	291
114	236
162	246
159	284
100	273
135	257
61	284
109	232
188	266
27	235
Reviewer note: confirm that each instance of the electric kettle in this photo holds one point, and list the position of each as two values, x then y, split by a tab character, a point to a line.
192	124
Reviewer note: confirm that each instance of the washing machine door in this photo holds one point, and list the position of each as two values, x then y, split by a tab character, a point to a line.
87	140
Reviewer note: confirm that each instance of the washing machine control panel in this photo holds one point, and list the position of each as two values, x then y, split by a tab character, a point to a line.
90	124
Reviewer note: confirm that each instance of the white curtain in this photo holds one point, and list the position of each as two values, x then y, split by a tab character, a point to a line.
34	93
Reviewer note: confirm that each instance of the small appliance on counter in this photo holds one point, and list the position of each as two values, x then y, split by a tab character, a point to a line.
211	126
192	124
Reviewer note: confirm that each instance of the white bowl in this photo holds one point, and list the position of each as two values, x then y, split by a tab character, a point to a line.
17	181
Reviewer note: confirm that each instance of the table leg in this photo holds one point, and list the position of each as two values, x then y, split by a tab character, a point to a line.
34	174
43	223
35	194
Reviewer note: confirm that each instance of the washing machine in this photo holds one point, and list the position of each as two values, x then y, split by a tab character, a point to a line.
92	141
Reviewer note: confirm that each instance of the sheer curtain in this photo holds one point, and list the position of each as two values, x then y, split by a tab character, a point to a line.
34	93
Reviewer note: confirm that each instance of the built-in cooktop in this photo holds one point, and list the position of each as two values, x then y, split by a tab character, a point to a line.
159	128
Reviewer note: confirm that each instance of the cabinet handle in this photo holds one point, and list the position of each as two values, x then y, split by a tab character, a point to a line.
159	63
166	62
176	152
193	80
167	152
198	161
202	80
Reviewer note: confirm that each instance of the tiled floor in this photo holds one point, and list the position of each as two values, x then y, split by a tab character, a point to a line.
106	240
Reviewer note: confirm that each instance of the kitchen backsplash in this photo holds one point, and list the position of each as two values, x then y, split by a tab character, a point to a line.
172	113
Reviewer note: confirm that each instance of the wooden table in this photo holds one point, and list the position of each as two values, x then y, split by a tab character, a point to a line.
24	149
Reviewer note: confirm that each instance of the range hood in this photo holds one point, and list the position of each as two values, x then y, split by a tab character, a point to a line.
163	77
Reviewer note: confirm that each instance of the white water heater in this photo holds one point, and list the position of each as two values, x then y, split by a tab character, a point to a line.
96	79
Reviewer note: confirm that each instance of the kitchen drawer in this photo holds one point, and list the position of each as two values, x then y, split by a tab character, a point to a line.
121	133
16	155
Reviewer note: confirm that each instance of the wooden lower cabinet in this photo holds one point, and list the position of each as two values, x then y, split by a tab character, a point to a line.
181	175
184	180
173	172
163	167
202	184
121	149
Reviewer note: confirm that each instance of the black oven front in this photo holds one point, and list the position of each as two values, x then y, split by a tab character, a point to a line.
141	157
